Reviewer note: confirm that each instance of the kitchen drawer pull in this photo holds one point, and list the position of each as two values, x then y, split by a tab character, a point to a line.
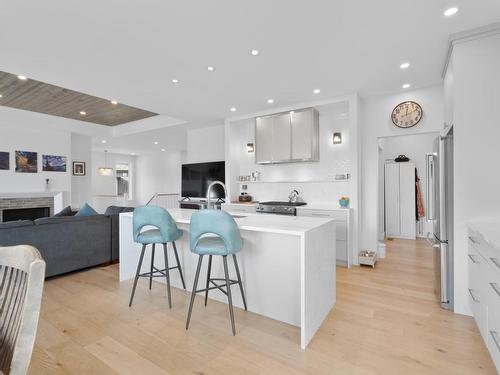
496	288
496	262
473	296
494	336
472	240
473	258
321	215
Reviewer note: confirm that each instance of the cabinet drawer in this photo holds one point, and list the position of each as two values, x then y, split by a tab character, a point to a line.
491	254
493	340
337	215
477	302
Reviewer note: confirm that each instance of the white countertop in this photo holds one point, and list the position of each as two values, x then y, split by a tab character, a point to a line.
311	206
489	229
294	225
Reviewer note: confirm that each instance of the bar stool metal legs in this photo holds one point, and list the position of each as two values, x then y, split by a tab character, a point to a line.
155	272
224	288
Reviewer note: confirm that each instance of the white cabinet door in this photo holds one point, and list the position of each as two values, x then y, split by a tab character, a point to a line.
263	139
302	134
392	224
407	200
282	138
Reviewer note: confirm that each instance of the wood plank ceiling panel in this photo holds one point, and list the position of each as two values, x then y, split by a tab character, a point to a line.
36	96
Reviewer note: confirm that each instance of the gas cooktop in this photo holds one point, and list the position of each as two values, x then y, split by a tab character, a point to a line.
280	208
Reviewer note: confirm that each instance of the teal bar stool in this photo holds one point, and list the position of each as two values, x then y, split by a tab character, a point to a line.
166	231
225	239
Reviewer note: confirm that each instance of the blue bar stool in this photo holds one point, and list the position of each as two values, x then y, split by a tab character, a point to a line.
227	241
166	231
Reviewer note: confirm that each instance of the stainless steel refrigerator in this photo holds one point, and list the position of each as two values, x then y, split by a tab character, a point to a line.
439	210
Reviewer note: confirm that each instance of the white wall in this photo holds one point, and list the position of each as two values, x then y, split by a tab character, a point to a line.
473	82
81	186
415	147
104	187
205	144
375	122
334	159
28	131
157	173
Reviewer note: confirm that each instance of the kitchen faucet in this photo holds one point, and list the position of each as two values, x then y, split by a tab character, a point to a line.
210	188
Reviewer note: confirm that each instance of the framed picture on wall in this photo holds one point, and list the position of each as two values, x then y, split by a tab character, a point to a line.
4	161
26	162
53	163
78	168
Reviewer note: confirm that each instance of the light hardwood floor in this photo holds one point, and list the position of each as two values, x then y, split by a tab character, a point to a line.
386	321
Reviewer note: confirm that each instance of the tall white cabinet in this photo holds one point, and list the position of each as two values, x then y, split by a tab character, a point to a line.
400	200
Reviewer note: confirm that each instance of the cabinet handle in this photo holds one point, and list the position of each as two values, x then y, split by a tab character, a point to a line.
496	288
472	240
321	215
473	258
473	296
494	336
496	262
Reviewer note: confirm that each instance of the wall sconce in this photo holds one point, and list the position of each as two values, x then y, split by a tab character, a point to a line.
337	138
250	147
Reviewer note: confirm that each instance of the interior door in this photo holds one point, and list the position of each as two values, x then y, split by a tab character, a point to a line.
392	224
407	200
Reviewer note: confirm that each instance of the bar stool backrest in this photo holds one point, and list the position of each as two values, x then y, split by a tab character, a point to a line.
216	222
22	274
157	217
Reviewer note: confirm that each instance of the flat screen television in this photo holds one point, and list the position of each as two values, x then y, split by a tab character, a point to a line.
197	177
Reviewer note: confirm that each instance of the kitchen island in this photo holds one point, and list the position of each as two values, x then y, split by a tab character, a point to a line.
287	266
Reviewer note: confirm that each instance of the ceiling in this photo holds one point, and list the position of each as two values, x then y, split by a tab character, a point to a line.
131	50
36	96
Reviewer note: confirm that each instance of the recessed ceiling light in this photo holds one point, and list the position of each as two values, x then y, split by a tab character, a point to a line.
233	109
83	113
451	11
405	65
270	101
210	68
133	153
175	80
406	86
254	52
22	78
1	96
316	91
163	149
104	141
114	102
155	142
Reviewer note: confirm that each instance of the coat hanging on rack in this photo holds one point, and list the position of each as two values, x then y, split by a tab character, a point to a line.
418	198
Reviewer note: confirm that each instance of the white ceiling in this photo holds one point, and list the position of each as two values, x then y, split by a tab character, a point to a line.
130	50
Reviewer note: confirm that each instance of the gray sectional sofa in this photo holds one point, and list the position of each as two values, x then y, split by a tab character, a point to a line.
68	243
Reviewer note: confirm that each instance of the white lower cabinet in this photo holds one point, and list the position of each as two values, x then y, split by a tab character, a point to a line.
342	221
484	291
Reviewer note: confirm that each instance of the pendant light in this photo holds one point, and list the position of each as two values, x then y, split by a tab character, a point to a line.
105	171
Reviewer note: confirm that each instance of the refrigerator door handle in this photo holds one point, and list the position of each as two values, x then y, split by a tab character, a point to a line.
430	196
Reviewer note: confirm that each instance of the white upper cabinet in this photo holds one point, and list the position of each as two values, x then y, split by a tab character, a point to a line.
287	137
282	137
305	131
264	139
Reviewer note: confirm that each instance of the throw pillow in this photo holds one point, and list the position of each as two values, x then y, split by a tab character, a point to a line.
86	210
66	211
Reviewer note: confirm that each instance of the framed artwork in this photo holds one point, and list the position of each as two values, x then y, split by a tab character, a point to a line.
4	161
53	163
26	162
78	168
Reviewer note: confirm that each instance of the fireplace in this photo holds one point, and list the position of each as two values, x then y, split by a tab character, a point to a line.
32	213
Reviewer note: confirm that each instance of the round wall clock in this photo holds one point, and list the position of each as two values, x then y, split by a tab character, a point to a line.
407	114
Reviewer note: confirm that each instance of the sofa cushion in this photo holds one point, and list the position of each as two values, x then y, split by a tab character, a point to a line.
15	224
86	210
66	211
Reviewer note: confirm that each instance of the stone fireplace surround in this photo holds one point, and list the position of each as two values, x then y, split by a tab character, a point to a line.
31	200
